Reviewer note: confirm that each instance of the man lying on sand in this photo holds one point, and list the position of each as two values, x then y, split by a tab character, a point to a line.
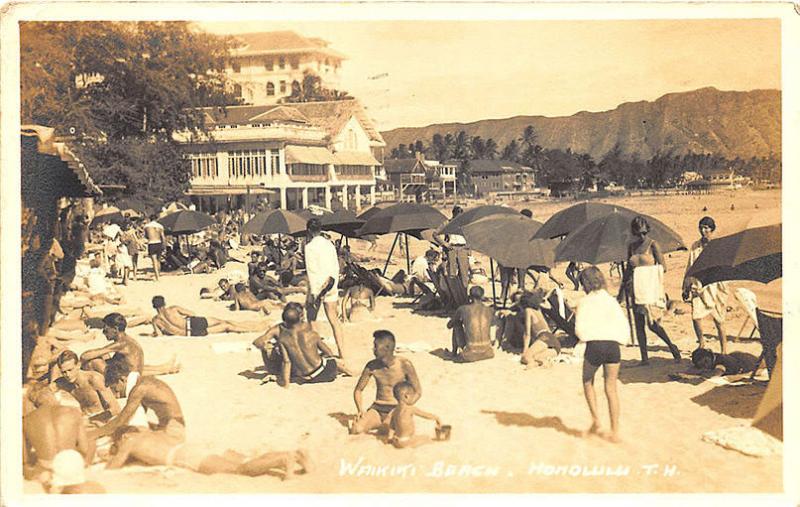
388	370
471	325
124	349
87	387
401	419
706	362
243	299
177	321
304	356
358	303
48	428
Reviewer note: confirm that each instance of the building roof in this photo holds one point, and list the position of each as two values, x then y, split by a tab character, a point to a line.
331	115
41	140
283	42
495	166
401	165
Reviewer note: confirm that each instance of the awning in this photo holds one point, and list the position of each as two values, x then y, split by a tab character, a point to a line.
45	145
354	158
308	155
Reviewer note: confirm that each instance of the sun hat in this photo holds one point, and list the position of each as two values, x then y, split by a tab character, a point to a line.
68	469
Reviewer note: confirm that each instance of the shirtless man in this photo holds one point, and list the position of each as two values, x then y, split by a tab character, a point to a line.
48	428
264	286
304	355
471	327
388	370
156	239
177	321
87	387
358	302
243	299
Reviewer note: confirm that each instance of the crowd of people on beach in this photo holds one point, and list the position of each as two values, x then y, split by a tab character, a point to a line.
81	407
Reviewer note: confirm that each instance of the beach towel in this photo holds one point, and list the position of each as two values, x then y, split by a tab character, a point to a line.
140	416
746	440
648	286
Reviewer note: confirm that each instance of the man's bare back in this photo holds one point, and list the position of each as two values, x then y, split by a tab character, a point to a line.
303	346
476	320
151	394
50	429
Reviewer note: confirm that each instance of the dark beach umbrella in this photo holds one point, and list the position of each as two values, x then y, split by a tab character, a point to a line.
186	222
606	239
366	215
108	215
313	212
403	217
344	222
572	218
276	221
752	254
507	240
455	225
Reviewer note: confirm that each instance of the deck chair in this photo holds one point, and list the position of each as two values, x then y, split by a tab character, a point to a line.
747	301
770	326
559	313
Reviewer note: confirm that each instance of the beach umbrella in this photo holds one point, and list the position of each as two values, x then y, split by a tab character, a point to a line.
343	221
366	215
751	254
137	205
313	211
276	221
471	215
172	207
606	239
769	415
572	218
402	218
110	214
186	222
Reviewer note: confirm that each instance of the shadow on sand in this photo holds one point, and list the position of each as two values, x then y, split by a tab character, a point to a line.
657	372
523	419
443	354
740	402
402	305
342	418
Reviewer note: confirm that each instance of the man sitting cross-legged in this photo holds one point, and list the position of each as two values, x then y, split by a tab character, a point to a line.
177	321
304	356
471	327
388	371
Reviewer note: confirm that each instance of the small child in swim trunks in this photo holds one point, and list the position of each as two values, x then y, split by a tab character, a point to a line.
401	419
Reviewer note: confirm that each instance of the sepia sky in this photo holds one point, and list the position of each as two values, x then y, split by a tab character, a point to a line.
414	73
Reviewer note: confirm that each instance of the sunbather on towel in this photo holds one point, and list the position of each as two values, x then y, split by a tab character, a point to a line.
177	321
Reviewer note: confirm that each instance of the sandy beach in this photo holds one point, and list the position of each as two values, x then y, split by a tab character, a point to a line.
512	428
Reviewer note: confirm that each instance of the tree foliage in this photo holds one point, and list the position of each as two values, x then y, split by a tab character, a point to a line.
125	88
312	90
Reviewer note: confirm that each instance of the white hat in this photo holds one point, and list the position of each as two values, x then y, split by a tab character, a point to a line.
68	469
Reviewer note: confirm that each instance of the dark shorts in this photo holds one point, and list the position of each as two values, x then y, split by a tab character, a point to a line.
326	372
470	355
196	326
602	352
155	249
382	409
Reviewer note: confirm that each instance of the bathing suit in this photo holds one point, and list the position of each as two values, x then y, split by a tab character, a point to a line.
196	326
191	456
602	352
154	249
326	372
383	409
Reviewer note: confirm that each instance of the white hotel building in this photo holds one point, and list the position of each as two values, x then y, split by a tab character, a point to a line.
297	154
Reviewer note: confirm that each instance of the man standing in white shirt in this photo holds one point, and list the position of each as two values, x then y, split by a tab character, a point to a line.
322	268
154	232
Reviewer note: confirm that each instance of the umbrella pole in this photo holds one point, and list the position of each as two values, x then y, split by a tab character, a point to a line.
494	294
408	261
386	266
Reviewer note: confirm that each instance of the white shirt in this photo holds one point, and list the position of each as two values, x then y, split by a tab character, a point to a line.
600	318
321	263
419	269
96	281
111	230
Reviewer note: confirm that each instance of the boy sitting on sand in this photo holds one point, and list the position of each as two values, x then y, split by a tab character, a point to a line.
401	419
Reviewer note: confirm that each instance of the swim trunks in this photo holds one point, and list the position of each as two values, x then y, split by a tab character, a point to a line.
602	352
382	408
155	249
475	353
196	326
326	372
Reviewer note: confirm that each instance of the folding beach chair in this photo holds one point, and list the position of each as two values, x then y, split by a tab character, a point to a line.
747	301
770	327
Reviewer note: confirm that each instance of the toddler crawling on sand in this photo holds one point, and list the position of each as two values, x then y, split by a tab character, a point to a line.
401	420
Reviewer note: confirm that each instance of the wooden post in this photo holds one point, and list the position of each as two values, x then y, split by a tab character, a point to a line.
494	294
386	266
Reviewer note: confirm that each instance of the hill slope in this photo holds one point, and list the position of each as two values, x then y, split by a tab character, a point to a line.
707	120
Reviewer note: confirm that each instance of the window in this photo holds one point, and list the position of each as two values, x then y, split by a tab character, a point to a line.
283	87
295	63
307	170
352	142
246	163
269	64
203	165
295	88
353	170
237	67
282	62
270	89
237	90
275	163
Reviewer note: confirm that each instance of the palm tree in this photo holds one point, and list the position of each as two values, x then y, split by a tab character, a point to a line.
478	147
490	149
511	151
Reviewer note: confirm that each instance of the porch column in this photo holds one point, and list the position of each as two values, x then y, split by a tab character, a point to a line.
283	198
372	195
305	197
358	198
345	197
328	196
